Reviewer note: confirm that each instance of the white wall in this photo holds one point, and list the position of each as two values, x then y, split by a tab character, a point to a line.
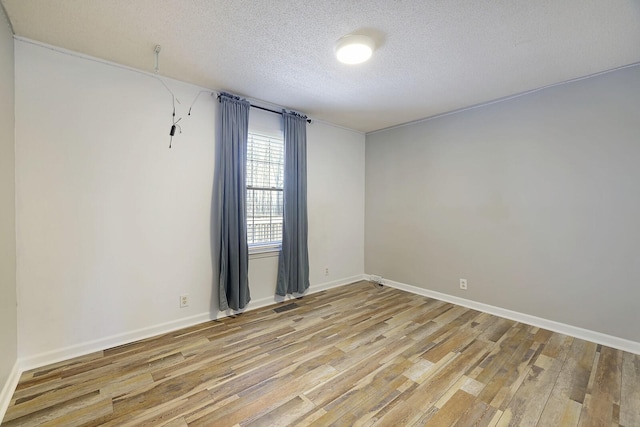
533	200
113	226
8	314
335	180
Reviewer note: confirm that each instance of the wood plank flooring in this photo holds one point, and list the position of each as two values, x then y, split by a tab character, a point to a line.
358	355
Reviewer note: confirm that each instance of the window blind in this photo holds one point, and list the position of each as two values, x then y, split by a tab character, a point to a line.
265	176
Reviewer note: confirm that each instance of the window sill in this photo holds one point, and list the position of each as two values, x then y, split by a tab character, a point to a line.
264	251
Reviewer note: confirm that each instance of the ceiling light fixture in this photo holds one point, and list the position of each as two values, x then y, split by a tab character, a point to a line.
354	49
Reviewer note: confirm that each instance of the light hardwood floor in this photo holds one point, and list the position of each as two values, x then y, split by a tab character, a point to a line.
355	355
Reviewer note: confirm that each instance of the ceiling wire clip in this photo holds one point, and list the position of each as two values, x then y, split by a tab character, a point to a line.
157	50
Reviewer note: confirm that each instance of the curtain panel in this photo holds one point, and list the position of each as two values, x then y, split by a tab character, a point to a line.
232	195
293	263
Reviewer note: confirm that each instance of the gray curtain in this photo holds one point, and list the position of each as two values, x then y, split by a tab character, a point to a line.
232	199
293	264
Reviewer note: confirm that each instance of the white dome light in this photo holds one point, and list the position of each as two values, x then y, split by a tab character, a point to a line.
354	49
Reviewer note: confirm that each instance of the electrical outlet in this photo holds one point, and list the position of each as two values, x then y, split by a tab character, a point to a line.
463	284
184	300
326	271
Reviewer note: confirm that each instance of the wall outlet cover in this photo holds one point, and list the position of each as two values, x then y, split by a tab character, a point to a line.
184	300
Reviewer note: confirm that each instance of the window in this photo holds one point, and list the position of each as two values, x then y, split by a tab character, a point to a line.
265	176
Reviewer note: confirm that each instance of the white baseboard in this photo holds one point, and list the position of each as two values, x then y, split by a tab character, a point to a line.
263	302
76	350
65	353
8	389
337	283
574	331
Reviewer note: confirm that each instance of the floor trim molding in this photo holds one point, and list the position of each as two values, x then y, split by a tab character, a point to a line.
8	389
81	349
574	331
263	302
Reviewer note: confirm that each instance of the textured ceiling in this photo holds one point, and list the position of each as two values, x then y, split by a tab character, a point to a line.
431	57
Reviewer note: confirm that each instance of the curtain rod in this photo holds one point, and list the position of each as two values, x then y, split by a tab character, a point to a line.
271	111
250	104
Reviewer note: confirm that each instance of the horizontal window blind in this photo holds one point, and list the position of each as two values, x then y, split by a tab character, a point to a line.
265	177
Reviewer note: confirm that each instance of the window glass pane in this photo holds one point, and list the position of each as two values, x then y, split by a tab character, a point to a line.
265	176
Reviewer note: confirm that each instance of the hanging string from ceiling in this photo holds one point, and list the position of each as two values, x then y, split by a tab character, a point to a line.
174	122
198	96
175	125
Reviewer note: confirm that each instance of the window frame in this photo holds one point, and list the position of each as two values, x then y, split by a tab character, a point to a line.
263	249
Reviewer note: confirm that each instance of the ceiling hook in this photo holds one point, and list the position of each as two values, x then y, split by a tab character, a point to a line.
157	50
